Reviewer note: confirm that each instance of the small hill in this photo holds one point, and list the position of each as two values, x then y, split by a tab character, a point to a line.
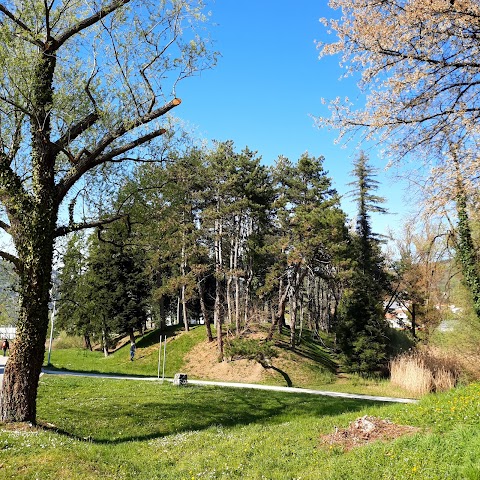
308	366
311	365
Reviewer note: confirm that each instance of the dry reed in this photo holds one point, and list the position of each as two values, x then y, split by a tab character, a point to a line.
422	372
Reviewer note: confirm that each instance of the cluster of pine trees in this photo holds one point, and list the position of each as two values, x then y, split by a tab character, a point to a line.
216	235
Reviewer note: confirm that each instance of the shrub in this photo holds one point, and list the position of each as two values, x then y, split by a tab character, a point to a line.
251	349
422	372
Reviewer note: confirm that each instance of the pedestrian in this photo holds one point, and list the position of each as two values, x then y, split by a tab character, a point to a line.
133	347
5	346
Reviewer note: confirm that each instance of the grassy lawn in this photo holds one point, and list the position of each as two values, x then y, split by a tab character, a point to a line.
146	357
115	429
310	366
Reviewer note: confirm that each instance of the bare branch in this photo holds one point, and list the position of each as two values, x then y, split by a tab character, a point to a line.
5	226
131	145
75	227
87	86
76	130
95	158
88	22
11	258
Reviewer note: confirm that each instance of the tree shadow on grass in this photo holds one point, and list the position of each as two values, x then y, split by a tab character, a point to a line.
310	349
185	409
284	374
153	337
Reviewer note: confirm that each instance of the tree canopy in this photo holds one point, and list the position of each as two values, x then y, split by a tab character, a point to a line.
418	64
86	86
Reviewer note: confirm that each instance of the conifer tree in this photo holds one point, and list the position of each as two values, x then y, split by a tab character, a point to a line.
361	331
311	226
119	287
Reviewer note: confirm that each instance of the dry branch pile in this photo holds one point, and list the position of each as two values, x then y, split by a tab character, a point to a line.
365	430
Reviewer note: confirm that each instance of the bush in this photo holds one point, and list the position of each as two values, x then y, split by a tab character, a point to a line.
251	349
422	372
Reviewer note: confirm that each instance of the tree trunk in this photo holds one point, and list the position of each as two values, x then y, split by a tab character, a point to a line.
22	371
218	320
162	322
228	296
86	342
247	297
237	283
33	219
466	252
184	287
178	310
184	310
293	318
203	307
414	320
280	311
105	343
282	298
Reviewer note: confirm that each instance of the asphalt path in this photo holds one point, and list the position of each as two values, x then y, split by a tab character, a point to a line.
254	386
240	385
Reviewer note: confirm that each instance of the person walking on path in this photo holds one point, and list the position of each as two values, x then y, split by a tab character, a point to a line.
133	347
5	347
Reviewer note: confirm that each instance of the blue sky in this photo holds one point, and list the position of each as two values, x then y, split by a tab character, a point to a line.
268	83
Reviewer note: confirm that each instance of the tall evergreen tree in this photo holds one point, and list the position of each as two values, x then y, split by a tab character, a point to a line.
118	283
310	226
361	331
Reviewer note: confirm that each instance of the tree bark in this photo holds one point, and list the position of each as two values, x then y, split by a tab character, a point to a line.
203	307
280	311
22	371
33	220
87	343
105	343
293	317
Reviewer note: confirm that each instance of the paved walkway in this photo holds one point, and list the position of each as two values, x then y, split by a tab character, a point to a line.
241	385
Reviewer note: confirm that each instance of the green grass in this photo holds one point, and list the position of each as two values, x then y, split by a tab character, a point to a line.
310	366
113	429
146	356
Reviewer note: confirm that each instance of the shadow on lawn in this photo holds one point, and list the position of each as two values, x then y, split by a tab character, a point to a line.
311	350
153	337
190	408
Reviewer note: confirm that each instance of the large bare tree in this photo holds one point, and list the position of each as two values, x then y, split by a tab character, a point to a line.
418	62
85	85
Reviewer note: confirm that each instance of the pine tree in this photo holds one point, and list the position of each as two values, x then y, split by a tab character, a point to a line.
361	331
311	226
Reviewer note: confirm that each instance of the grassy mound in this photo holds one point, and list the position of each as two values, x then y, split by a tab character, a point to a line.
310	365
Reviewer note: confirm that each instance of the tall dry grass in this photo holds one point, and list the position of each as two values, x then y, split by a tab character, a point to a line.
422	372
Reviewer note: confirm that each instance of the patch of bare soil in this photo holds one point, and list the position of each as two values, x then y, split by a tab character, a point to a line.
202	362
365	430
